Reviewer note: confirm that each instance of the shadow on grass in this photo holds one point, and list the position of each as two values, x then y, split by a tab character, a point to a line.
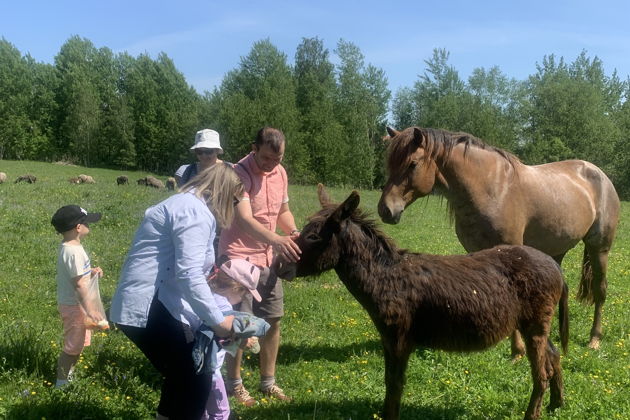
290	353
353	409
68	410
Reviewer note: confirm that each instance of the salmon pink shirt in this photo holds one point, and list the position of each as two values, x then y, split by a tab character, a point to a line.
266	192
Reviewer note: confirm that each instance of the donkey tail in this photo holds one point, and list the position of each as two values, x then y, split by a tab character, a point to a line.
585	291
563	317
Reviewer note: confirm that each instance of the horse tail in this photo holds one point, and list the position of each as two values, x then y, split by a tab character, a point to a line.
585	292
563	316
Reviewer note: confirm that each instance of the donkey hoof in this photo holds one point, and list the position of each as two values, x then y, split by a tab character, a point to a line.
554	405
594	343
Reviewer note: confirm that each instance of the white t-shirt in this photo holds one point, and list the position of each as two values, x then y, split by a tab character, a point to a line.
72	261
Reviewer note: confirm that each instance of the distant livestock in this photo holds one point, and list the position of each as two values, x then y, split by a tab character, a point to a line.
154	182
171	183
122	180
151	181
26	178
86	179
3	177
74	180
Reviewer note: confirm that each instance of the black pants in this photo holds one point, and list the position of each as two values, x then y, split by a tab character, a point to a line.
168	343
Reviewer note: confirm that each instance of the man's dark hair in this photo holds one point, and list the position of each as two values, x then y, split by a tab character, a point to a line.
270	136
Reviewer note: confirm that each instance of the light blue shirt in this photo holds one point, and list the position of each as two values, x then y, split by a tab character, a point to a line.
171	253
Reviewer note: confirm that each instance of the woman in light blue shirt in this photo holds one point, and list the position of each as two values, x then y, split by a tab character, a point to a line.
163	285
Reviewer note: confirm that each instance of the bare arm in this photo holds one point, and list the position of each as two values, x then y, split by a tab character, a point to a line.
286	221
81	286
283	245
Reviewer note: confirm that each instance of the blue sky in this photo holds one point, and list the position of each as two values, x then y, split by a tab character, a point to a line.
206	39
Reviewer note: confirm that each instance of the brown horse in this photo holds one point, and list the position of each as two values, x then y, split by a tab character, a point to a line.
457	303
495	199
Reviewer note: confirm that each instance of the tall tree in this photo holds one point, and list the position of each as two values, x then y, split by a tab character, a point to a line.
570	110
362	98
315	95
261	92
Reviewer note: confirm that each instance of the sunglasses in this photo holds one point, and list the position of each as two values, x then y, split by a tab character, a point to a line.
204	151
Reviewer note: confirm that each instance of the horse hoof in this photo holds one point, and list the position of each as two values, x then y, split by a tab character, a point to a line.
517	358
594	344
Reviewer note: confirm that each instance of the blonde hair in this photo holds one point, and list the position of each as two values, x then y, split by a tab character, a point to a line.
222	282
219	186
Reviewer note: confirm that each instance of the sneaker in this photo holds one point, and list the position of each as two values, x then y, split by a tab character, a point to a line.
242	395
276	392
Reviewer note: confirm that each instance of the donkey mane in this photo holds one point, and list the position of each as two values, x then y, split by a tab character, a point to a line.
387	253
440	143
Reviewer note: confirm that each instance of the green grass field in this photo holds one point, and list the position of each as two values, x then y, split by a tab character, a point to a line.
330	359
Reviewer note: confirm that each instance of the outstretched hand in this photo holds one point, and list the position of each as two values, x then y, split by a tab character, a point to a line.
285	248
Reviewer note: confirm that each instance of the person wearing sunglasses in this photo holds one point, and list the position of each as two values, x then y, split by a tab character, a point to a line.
207	148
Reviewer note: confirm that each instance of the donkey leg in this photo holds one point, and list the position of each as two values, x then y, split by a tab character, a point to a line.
599	264
536	353
517	346
395	367
554	372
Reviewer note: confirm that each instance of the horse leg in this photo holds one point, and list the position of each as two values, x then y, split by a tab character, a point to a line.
554	372
537	355
598	259
396	360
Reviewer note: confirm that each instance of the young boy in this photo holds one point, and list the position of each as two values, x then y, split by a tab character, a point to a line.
76	305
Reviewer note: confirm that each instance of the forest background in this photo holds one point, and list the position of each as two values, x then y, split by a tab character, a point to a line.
99	109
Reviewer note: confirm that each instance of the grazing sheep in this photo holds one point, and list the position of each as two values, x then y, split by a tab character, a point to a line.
152	181
171	183
142	181
26	178
3	177
86	179
74	180
122	180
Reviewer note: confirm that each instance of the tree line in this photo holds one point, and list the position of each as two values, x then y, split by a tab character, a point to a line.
97	108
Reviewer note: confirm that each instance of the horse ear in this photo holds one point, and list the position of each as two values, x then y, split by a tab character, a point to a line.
418	137
346	208
322	194
392	132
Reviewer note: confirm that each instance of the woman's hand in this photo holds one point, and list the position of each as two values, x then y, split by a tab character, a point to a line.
224	329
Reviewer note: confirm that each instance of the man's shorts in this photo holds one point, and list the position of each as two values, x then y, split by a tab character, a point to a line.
272	294
75	335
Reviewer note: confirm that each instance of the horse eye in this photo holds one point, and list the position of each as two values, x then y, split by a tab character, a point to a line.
413	165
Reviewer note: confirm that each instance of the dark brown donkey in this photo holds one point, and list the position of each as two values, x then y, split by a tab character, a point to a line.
458	303
495	199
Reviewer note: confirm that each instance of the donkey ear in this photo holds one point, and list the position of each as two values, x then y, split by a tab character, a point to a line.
346	208
418	137
322	194
392	132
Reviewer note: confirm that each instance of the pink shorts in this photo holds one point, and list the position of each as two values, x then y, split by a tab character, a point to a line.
75	335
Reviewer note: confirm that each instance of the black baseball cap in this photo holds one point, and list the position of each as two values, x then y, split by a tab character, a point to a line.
71	215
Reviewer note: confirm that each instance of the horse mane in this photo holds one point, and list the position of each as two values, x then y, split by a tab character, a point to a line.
439	144
367	230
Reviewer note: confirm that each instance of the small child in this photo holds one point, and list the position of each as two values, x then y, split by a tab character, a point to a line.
233	281
76	298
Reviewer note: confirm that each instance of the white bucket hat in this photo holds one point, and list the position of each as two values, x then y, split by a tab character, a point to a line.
207	139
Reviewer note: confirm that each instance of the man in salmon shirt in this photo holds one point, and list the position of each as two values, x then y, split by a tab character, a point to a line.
252	236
